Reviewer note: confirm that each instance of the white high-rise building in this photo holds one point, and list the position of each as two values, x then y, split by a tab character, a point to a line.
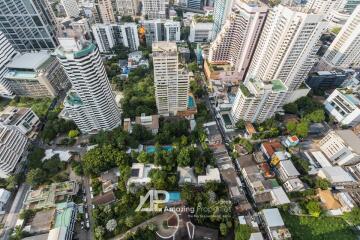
222	9
257	101
325	7
90	103
287	46
13	145
236	42
130	36
172	30
71	8
127	7
285	53
161	30
154	9
344	51
7	52
171	82
108	36
200	29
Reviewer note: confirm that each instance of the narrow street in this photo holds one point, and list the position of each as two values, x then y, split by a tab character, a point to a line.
16	206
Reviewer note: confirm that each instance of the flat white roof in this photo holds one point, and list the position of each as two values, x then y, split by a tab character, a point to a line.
63	155
321	159
272	217
336	174
29	60
289	168
280	196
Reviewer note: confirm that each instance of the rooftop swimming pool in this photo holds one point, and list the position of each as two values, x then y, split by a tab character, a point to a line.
152	149
191	102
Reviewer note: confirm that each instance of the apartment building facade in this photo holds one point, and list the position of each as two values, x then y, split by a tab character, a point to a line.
90	102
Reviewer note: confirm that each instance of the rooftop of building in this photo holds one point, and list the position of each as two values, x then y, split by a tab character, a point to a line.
350	139
64	214
335	174
151	122
11	114
289	167
211	129
351	96
272	217
203	19
163	46
72	48
29	61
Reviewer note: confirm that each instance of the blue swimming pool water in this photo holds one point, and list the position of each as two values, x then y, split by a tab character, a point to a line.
174	196
191	103
152	149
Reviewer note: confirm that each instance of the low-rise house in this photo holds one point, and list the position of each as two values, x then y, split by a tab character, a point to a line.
279	197
336	176
127	125
274	224
231	179
291	141
140	174
109	179
186	176
269	148
279	156
151	123
346	201
294	185
23	119
286	170
213	135
212	175
342	147
103	199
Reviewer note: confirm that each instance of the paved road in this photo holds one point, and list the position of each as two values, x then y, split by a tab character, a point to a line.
15	209
86	185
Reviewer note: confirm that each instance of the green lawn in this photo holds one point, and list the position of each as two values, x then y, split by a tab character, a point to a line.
322	228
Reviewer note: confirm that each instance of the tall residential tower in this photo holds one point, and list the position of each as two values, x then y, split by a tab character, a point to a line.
28	25
344	51
283	57
171	81
90	103
236	42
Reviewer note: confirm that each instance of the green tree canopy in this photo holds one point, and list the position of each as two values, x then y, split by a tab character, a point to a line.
313	208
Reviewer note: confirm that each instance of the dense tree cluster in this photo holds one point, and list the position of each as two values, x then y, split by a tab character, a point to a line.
46	171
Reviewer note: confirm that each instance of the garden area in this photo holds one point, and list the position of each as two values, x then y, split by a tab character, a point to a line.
323	227
40	106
